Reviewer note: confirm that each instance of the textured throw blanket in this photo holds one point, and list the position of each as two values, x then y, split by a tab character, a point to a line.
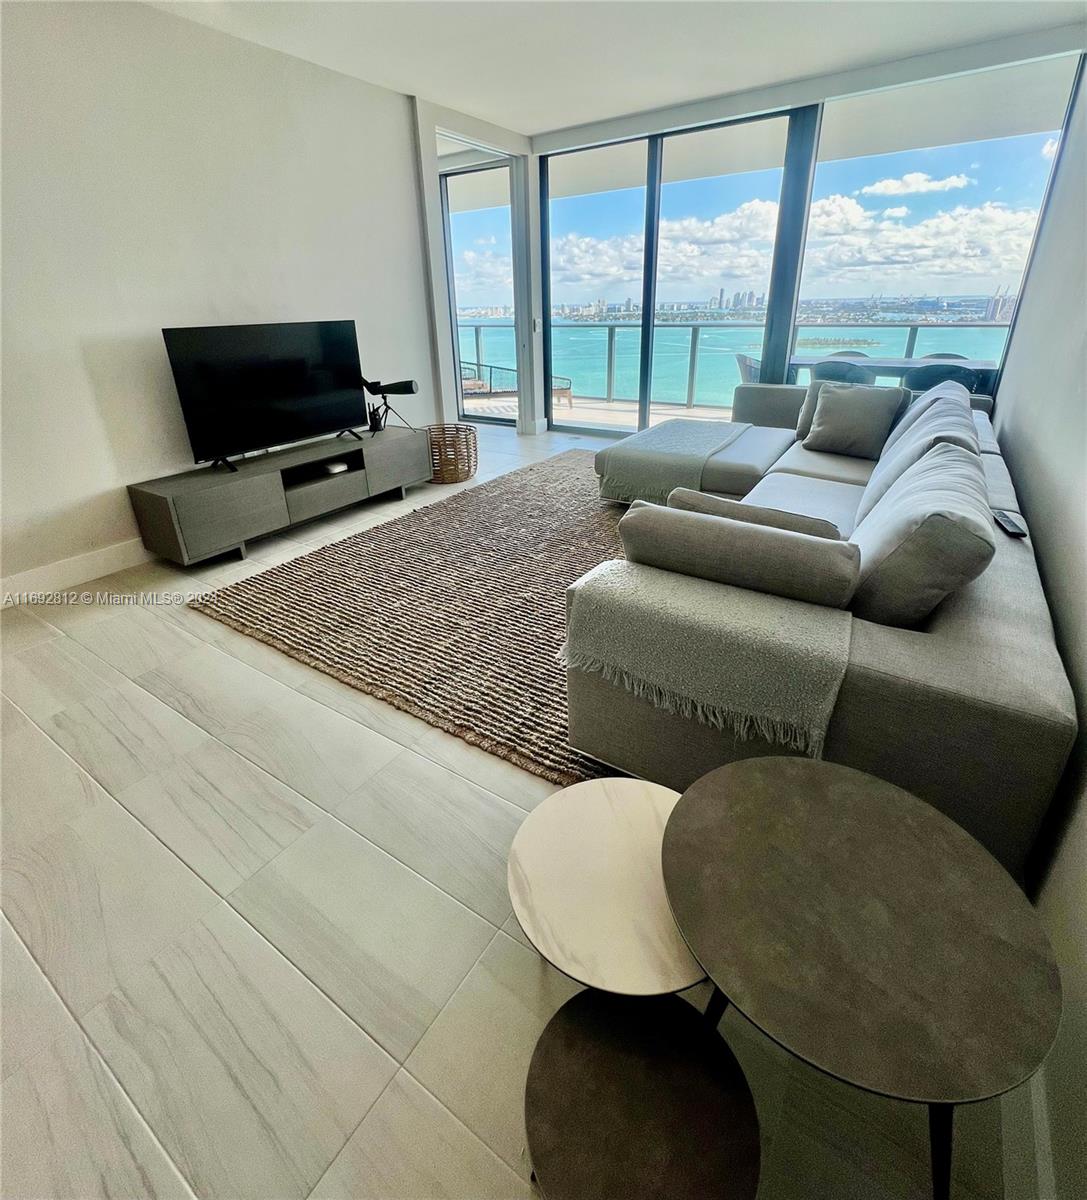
731	658
648	465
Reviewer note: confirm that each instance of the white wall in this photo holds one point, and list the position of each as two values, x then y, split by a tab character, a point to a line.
1041	420
158	173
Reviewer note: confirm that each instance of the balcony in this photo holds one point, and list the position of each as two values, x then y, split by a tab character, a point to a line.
696	365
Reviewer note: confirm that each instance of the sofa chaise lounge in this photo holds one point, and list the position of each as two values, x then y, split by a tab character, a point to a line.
968	707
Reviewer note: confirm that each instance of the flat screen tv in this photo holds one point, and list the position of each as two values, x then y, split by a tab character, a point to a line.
248	387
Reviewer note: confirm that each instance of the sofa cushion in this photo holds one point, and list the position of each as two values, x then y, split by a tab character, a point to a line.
827	499
928	535
842	468
778	561
944	420
738	510
736	469
998	483
983	426
853	420
811	399
917	408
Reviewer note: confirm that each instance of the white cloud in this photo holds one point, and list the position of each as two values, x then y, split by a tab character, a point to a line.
914	182
1049	150
850	249
486	241
961	244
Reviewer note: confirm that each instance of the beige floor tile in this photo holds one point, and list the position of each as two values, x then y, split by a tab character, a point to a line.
70	1133
495	774
123	735
385	944
96	899
33	1016
249	1077
134	640
449	830
368	710
42	787
220	814
410	1147
20	628
475	1056
45	679
348	701
511	927
305	745
115	730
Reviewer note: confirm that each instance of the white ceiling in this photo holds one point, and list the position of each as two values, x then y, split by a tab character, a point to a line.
538	65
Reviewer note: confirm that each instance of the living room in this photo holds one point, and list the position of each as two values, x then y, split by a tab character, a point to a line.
543	567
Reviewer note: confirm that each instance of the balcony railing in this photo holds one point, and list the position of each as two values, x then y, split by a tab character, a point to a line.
678	382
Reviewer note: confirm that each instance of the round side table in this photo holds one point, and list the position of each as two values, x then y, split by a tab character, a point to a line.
638	1097
631	1091
865	932
587	888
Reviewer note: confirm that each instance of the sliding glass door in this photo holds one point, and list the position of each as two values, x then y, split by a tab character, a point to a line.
719	196
891	229
479	261
595	209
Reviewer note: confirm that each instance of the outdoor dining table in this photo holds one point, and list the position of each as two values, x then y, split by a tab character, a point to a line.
897	367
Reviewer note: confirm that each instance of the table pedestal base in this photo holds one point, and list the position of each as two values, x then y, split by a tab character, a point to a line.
941	1121
638	1097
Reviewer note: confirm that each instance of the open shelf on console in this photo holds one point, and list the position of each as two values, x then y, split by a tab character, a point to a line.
311	472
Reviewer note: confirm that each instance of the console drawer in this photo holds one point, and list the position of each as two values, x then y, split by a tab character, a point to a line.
217	518
325	495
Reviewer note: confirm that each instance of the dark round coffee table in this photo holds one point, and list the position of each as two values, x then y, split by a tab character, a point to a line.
638	1097
865	932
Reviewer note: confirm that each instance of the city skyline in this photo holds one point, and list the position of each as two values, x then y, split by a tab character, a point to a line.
950	221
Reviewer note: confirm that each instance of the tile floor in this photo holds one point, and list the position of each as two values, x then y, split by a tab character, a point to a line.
256	937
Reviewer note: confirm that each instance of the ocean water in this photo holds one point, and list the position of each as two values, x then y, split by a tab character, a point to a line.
580	352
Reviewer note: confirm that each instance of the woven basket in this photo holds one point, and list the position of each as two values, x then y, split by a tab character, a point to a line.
454	455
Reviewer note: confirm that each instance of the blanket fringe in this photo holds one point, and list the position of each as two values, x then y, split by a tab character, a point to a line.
744	726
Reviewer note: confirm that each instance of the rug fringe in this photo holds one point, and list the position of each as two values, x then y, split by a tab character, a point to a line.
744	726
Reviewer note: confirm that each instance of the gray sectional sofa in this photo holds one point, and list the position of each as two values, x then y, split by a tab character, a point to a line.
968	706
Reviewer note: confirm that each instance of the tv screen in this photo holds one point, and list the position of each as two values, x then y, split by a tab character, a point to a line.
247	387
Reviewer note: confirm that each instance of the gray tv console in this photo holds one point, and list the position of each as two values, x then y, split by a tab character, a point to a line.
200	514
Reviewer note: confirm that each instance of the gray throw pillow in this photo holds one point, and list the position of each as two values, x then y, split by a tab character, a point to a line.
946	419
811	397
755	514
777	561
948	390
807	409
852	419
930	534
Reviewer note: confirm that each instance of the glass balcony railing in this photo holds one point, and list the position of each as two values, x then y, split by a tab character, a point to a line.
697	365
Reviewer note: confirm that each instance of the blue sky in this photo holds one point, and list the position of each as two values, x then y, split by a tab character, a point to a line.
950	220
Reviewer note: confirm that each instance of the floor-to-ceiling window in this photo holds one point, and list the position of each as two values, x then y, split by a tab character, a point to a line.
924	206
718	217
480	264
596	220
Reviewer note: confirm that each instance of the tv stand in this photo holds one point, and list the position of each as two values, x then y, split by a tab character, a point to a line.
350	433
203	513
225	462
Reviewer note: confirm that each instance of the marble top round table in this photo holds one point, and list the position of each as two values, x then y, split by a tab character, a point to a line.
865	932
587	888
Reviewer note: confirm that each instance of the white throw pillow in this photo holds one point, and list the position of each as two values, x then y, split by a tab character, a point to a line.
945	419
948	390
931	533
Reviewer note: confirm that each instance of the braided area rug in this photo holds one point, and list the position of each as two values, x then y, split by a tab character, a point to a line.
454	613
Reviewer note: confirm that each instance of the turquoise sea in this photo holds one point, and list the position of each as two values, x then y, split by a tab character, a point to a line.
579	351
